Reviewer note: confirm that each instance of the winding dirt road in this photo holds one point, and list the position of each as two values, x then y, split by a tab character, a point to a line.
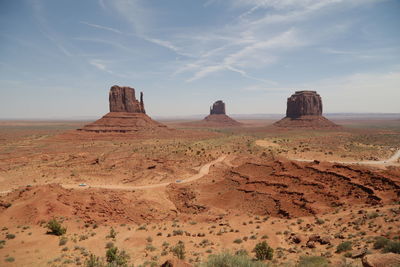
204	170
388	162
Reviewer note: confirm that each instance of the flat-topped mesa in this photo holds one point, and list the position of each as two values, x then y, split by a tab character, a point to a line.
218	108
123	99
127	115
304	110
304	103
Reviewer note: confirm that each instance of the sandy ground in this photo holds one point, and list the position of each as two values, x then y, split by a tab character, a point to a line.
237	188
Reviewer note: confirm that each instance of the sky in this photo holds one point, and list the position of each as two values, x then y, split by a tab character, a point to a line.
58	59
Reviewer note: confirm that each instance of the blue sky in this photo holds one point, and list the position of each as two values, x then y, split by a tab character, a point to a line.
58	59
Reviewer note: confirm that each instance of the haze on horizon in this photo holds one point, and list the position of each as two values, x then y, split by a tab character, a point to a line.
59	58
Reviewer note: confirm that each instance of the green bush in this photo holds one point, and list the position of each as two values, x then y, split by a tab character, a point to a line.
55	227
263	251
225	259
380	242
116	257
93	261
63	241
312	261
392	246
344	246
179	250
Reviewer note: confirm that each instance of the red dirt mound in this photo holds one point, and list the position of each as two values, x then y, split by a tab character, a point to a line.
311	122
287	189
124	122
37	203
215	120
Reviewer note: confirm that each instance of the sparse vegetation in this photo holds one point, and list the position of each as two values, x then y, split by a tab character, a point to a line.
225	259
263	251
179	250
55	228
344	246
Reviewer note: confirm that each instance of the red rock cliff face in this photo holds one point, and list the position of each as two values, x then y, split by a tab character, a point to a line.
304	103
218	108
123	99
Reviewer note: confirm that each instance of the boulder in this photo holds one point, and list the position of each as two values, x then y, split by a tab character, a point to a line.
176	263
381	260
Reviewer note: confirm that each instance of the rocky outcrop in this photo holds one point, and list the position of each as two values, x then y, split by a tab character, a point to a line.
123	99
304	103
304	110
217	118
381	260
127	115
218	108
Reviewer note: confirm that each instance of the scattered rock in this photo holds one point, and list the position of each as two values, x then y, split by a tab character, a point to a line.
381	260
296	239
325	240
310	244
359	253
175	263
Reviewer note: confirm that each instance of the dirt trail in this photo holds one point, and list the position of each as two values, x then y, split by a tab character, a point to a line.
204	170
388	162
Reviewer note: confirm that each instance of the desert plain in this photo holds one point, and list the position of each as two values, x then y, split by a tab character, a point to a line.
331	193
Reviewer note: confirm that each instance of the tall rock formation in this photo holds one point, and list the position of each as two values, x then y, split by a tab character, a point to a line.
218	108
123	99
217	118
304	103
127	114
304	110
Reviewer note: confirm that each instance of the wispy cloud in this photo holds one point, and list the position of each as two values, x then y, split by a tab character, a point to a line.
101	27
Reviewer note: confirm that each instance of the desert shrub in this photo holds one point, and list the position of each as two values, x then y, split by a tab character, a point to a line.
112	233
263	251
10	236
10	259
392	246
63	241
116	257
312	261
179	250
344	246
238	241
109	244
94	261
225	259
55	228
380	242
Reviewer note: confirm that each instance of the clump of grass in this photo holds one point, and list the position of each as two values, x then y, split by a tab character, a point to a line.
179	250
55	228
226	259
263	251
312	261
63	241
344	246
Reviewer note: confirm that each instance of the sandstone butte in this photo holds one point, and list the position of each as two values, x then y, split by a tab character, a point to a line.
127	114
218	116
304	110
